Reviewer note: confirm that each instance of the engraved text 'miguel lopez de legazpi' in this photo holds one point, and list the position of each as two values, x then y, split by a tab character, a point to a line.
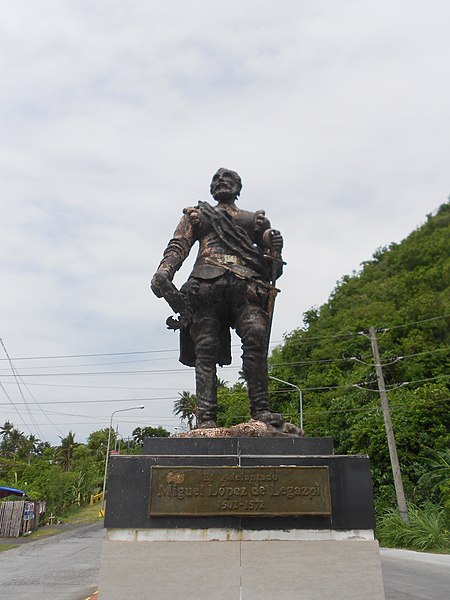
239	491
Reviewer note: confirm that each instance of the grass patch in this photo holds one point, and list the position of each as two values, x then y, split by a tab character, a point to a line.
4	547
427	529
84	516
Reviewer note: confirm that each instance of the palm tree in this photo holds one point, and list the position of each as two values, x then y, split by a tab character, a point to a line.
6	428
5	432
186	407
65	450
31	445
15	442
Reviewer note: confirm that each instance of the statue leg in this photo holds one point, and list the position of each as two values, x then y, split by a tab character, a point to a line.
252	327
205	333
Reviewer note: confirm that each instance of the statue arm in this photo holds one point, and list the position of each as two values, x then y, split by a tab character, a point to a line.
271	242
176	252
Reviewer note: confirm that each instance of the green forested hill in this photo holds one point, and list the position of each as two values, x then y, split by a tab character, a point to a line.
404	292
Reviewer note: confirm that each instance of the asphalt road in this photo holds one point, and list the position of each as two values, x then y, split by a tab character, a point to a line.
62	567
66	567
415	575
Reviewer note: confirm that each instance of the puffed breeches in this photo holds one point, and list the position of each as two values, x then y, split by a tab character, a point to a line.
240	304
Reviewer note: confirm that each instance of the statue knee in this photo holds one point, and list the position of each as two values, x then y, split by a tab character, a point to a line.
253	330
205	334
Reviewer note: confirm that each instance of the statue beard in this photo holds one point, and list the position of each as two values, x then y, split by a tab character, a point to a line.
225	195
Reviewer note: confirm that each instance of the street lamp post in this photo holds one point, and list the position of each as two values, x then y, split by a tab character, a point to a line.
300	397
107	451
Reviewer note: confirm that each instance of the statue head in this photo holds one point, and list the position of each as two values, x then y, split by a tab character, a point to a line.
226	186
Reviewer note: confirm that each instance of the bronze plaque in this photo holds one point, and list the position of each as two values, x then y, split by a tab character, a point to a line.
239	491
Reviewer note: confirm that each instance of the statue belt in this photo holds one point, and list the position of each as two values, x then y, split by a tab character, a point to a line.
244	273
225	259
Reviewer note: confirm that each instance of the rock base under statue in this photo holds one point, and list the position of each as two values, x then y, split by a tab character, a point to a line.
326	555
251	428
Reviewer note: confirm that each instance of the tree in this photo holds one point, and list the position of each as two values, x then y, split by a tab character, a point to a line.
402	290
64	451
5	432
232	405
6	428
186	408
41	447
97	442
31	446
140	433
15	443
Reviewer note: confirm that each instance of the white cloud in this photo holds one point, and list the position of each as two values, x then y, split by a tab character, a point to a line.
115	115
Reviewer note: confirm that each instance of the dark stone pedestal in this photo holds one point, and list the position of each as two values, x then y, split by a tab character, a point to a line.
331	557
350	481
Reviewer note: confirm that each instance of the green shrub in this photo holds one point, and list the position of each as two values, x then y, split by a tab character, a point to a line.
427	529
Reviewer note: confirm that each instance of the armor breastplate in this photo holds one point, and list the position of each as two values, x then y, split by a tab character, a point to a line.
214	257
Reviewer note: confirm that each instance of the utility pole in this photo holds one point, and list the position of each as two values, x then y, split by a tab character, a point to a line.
398	484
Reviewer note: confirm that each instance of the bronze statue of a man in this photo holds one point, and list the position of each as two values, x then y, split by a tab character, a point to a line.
232	285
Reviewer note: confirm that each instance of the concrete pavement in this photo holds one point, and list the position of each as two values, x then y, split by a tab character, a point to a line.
66	567
61	567
410	575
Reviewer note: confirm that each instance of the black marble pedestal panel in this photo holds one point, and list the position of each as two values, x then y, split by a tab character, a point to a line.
238	446
350	482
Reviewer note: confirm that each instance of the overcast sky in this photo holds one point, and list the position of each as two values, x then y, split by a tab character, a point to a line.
115	115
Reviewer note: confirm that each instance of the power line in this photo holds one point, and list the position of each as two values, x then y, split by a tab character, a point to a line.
184	370
11	402
152	371
98	354
392	387
110	373
105	421
172	398
363	383
376	408
49	402
17	377
41	410
350	334
426	352
309	411
417	322
139	352
140	371
119	362
237	367
18	385
97	387
90	355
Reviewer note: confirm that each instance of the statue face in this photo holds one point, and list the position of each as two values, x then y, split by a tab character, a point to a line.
225	186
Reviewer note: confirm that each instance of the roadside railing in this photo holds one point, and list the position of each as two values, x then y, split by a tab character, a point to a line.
96	498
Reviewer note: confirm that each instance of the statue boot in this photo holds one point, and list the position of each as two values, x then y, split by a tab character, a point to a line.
253	329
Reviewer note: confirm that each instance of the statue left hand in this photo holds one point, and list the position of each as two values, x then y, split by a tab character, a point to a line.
276	240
